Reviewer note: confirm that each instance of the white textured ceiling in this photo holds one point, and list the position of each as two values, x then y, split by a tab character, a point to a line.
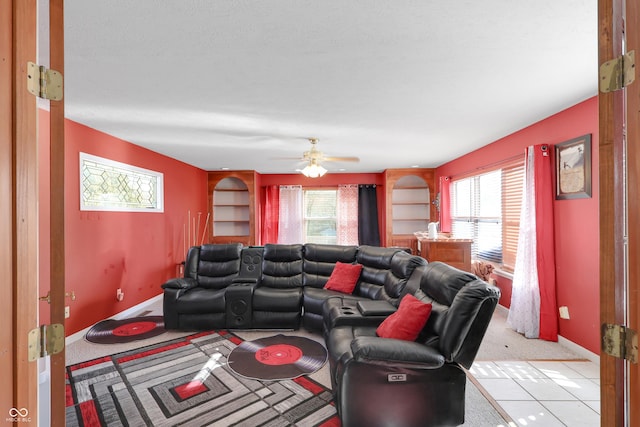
240	84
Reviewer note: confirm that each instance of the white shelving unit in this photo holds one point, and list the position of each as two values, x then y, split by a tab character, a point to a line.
231	213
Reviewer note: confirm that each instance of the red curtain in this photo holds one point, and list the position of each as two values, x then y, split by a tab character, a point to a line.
271	215
445	204
545	250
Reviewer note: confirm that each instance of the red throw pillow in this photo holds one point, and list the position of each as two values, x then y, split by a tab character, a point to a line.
407	322
344	277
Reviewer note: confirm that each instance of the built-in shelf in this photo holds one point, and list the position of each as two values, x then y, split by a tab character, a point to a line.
231	211
409	207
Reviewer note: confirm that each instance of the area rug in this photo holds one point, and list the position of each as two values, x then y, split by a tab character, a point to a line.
187	382
277	357
113	331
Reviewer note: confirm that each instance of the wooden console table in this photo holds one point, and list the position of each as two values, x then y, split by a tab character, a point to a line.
455	252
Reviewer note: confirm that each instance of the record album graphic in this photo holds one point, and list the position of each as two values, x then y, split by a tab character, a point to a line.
277	357
113	331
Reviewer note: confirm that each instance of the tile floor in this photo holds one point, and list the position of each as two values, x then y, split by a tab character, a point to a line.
543	393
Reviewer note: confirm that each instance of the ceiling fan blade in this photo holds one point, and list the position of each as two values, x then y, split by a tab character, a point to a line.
341	159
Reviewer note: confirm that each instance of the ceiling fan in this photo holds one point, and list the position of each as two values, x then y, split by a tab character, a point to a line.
315	157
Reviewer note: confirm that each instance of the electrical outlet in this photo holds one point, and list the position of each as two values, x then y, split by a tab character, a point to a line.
67	312
564	312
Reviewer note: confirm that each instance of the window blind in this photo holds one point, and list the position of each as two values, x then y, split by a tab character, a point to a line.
512	182
486	208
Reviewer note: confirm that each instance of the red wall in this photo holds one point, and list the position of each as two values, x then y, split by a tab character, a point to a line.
576	221
332	180
133	251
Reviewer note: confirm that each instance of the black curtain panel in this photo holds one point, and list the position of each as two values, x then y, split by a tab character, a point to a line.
368	230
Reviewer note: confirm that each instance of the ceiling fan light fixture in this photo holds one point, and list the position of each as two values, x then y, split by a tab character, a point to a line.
313	170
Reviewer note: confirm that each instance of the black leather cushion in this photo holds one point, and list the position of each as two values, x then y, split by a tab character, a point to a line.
339	347
442	282
467	321
376	262
282	266
218	265
278	300
200	300
251	263
314	298
320	260
401	268
191	263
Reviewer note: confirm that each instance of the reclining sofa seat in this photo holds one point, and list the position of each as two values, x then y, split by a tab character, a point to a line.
277	299
197	300
385	276
382	381
385	272
319	262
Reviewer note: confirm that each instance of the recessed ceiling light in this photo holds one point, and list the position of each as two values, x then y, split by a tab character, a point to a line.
415	166
224	169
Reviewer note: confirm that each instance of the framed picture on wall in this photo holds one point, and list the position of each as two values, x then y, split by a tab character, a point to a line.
573	168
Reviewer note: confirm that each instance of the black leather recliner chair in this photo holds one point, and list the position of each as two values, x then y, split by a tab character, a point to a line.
389	382
319	262
384	277
197	300
277	299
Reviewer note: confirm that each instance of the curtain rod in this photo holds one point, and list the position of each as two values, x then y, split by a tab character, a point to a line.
491	166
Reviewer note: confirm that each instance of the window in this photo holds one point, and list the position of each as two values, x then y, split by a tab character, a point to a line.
106	185
486	208
320	216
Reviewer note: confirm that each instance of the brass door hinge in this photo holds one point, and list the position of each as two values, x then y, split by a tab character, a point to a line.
620	341
45	340
43	82
618	73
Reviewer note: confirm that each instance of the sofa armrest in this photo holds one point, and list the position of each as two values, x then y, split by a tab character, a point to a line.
180	283
396	352
375	308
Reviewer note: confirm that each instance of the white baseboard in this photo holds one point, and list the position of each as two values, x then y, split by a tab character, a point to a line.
595	358
589	355
122	315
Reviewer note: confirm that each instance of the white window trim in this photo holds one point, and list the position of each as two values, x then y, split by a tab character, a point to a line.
112	163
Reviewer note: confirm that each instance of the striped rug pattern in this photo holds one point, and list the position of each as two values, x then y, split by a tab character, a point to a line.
186	382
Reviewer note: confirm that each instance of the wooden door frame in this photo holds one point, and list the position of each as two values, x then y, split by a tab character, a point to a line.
7	208
19	158
615	298
19	215
633	206
57	207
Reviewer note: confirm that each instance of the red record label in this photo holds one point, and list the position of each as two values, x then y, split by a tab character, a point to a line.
278	354
135	328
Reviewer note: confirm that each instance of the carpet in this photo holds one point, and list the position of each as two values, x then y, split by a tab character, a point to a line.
277	357
503	343
187	382
113	331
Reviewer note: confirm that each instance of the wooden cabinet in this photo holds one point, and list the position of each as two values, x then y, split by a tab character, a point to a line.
455	252
409	196
232	207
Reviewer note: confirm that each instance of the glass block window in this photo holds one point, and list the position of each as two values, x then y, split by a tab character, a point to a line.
106	185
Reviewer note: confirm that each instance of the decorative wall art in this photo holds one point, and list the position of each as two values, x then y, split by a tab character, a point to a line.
573	168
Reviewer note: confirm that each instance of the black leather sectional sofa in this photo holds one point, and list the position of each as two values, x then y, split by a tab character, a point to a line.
376	381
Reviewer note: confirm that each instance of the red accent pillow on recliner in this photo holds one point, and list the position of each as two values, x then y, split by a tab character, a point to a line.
344	277
407	322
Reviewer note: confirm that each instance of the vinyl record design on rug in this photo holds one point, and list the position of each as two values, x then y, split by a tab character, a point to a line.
113	331
277	357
